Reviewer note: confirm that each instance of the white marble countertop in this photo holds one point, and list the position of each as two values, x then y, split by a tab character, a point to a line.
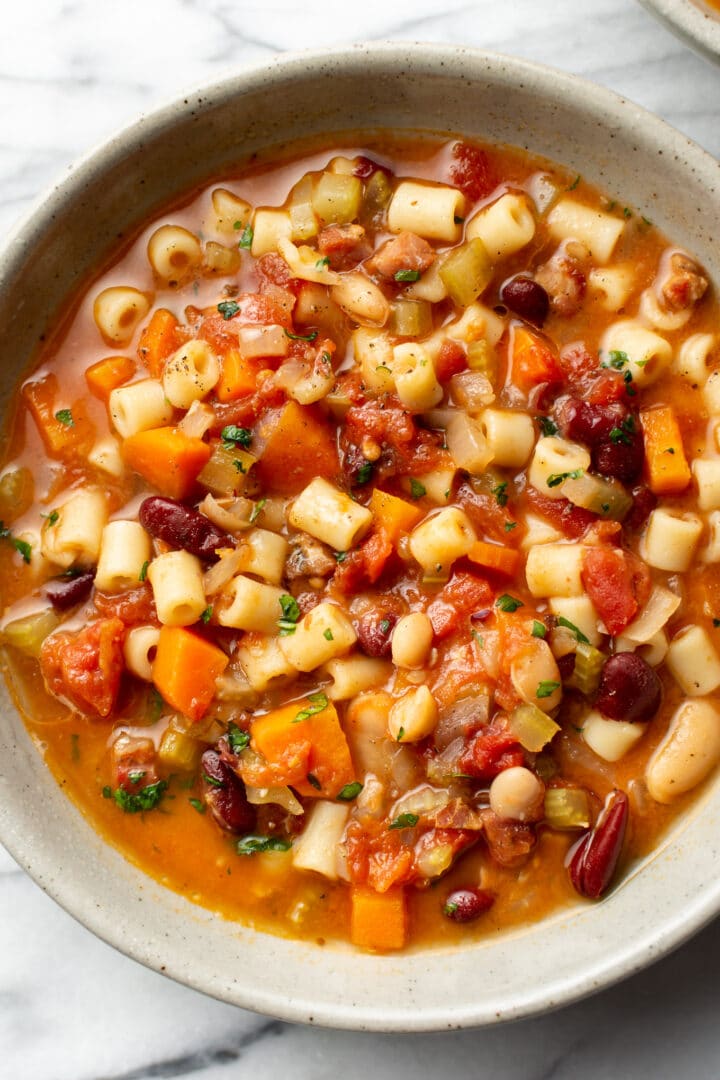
71	1008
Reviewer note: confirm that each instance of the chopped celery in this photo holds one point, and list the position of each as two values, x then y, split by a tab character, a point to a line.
588	665
410	318
481	357
466	272
226	471
220	259
302	215
608	498
532	728
28	634
179	752
16	494
337	198
378	193
567	808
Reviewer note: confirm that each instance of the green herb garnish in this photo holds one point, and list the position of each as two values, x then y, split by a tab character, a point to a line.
508	603
555	479
417	490
65	417
206	615
562	621
21	546
546	688
228	308
146	799
232	436
539	629
404	821
500	493
290	614
302	337
246	239
349	792
257	510
238	740
255	845
318	702
197	804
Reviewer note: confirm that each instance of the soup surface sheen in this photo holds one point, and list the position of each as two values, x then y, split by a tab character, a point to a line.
363	521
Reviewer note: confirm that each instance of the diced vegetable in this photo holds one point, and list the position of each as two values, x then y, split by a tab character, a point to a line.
226	471
394	516
466	272
159	339
185	670
532	728
567	808
378	920
298	447
28	634
607	498
588	665
667	467
532	361
336	199
167	458
105	376
496	558
179	752
239	374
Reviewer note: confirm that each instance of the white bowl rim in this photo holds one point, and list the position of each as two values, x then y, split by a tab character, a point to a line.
629	956
697	28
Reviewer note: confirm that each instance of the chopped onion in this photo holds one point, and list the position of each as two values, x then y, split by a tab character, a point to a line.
467	444
660	606
279	796
262	341
28	634
224	570
423	802
472	390
233	517
532	728
197	420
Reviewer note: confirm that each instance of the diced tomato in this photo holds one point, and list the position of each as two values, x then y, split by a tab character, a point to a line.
509	842
273	268
486	513
132	607
576	361
617	583
380	858
607	387
450	360
572	520
412	450
489	752
86	667
464	594
133	762
472	171
364	566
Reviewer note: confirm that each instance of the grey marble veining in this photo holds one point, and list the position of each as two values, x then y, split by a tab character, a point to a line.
71	73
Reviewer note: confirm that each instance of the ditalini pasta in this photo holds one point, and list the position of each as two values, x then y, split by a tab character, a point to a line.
366	520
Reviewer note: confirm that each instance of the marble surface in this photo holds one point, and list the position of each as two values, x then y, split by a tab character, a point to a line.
71	1008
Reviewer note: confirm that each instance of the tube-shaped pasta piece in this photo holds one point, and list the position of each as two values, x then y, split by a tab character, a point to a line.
467	443
510	436
688	752
711	552
693	660
555	570
124	550
117	312
598	231
263	553
74	538
610	739
438	485
711	396
190	373
353	675
250	605
270	225
691	359
232	213
538	530
323	634
177	583
139	406
652	651
504	227
414	375
441	539
706	472
658	317
429	210
554	461
263	661
374	353
139	650
305	265
318	846
105	455
643	354
612	285
361	299
581	612
670	539
328	514
174	253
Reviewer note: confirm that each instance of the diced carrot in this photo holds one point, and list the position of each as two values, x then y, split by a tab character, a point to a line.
167	458
185	669
316	739
63	430
298	447
378	920
105	376
495	557
239	376
395	516
532	361
159	340
667	467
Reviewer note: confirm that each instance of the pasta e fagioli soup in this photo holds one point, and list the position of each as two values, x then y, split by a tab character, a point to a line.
362	526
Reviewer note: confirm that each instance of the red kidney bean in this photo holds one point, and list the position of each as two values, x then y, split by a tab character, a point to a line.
594	859
526	298
224	794
176	524
374	631
464	905
66	592
621	460
644	502
629	689
588	423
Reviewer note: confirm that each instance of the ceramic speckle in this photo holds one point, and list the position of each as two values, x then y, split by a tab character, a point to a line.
613	143
692	21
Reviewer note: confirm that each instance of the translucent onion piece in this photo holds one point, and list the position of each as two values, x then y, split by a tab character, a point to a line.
424	801
567	808
661	605
28	634
279	796
532	728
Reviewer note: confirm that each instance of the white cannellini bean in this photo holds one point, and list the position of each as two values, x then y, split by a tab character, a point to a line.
688	752
516	794
412	640
413	716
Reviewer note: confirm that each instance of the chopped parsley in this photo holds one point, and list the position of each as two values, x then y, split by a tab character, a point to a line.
228	308
500	493
510	525
400	734
290	614
206	615
349	792
547	426
233	436
238	740
197	804
384	626
417	490
623	433
616	359
65	417
404	821
322	264
302	337
239	465
579	636
341	556
508	603
407	275
255	845
318	702
538	629
51	518
146	799
575	183
246	239
143	571
257	510
328	634
546	688
21	546
555	479
364	473
212	781
313	781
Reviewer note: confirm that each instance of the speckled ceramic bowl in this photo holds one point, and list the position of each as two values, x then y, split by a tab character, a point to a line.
692	20
613	144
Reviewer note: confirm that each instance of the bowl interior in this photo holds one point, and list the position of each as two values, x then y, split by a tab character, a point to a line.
616	146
